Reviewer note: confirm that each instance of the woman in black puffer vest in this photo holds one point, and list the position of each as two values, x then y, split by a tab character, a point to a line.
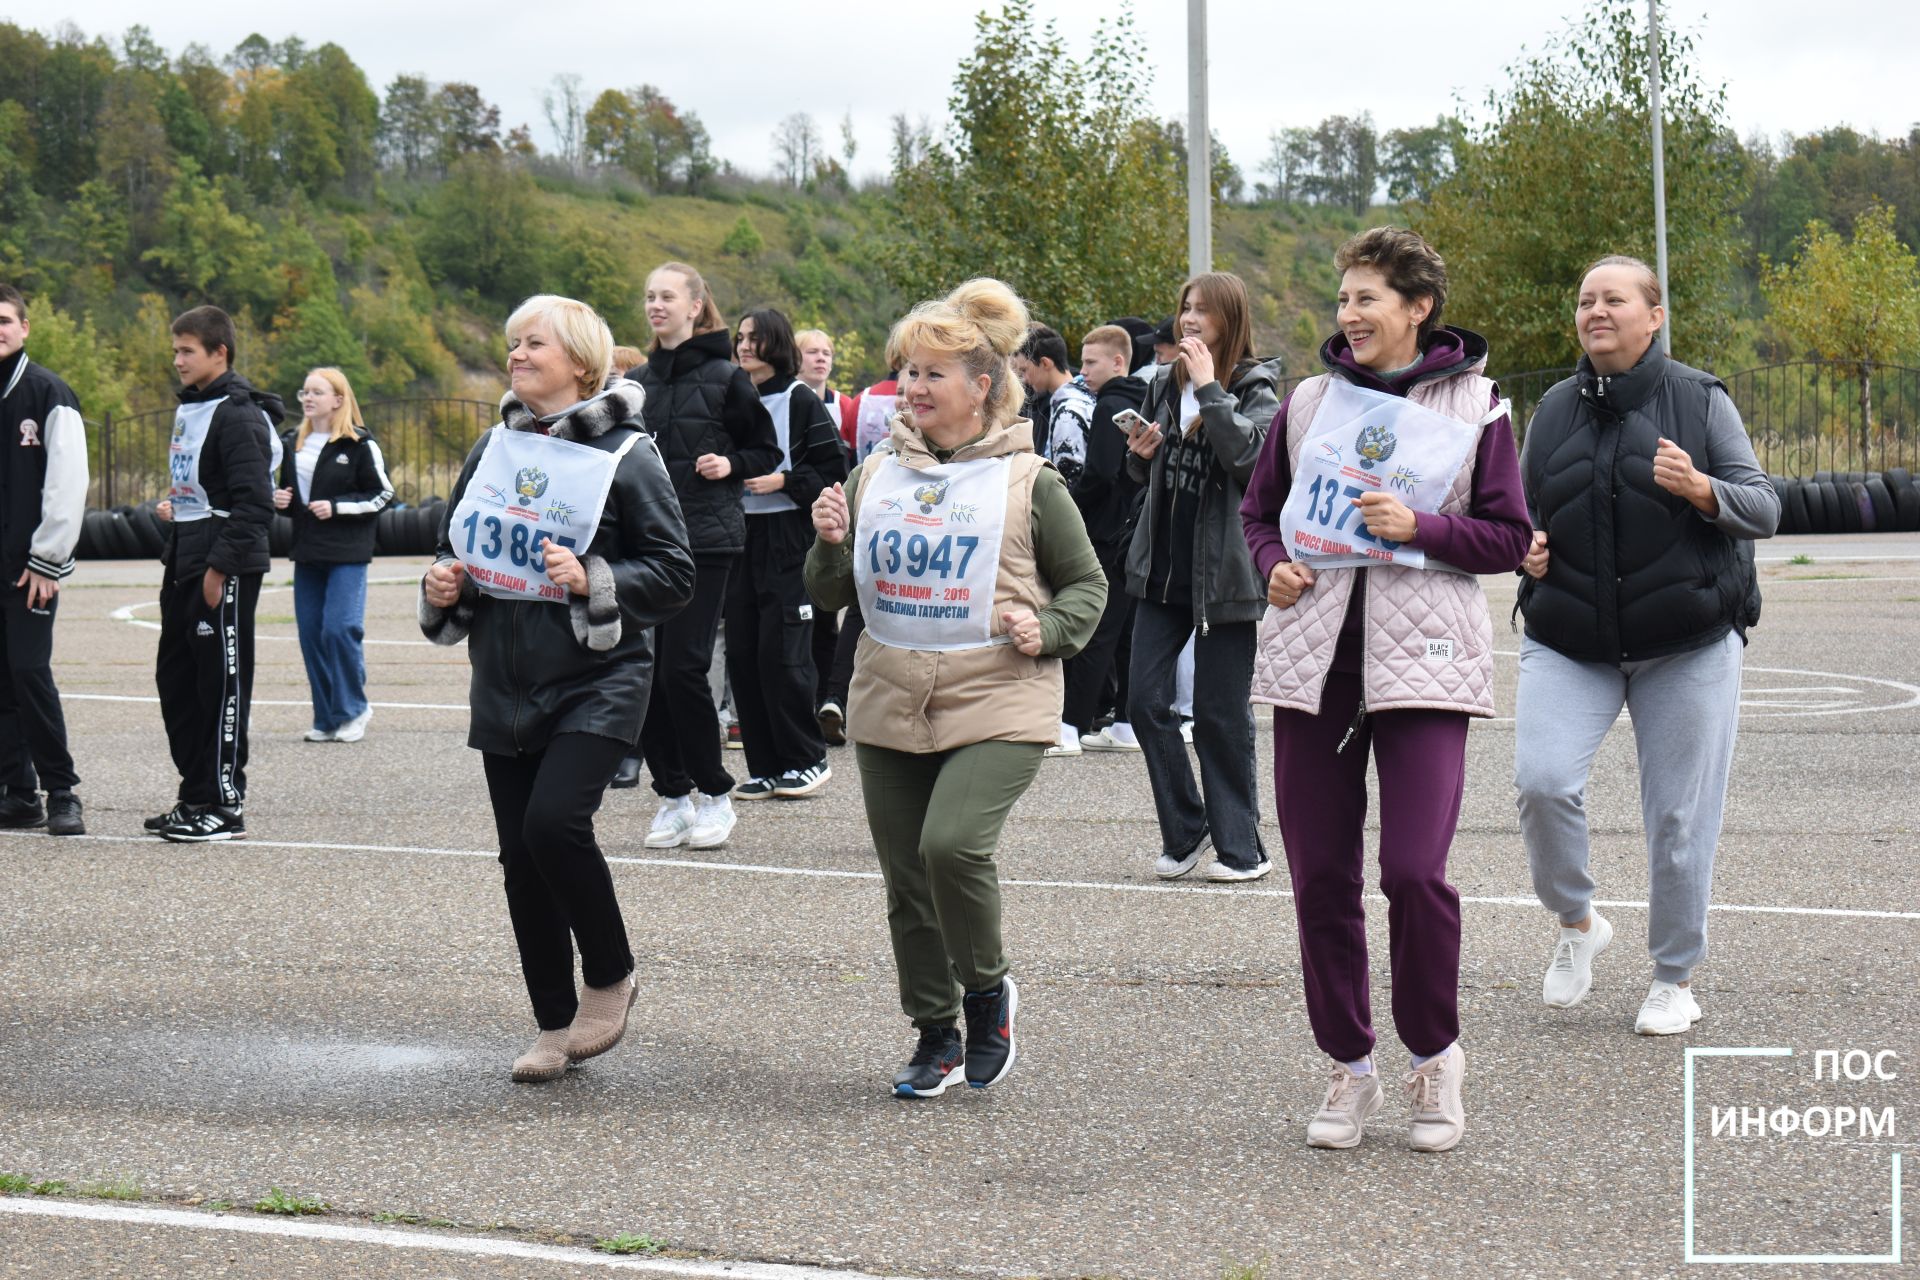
333	483
1644	493
713	433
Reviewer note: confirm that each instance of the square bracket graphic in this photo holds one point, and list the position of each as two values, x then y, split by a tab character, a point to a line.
1891	1257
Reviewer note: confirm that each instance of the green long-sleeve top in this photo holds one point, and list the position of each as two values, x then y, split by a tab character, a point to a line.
1061	548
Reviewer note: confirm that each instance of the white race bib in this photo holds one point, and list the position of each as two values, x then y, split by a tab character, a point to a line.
1366	441
927	556
191	422
528	487
780	409
873	423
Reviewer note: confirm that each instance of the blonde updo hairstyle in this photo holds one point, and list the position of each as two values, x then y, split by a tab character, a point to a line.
982	323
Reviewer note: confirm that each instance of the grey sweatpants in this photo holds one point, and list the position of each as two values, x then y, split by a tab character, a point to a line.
1684	708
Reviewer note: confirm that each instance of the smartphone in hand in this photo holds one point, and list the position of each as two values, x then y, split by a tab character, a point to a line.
1129	421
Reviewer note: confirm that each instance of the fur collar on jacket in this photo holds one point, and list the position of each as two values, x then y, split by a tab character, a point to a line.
618	403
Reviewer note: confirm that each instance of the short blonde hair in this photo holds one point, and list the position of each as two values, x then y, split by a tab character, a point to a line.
1111	337
983	322
626	358
805	336
347	423
578	328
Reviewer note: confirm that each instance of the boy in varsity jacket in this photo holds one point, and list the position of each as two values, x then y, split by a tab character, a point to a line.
43	495
224	451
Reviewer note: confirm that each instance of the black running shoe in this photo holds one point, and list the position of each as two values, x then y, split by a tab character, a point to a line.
204	824
627	775
159	821
990	1033
63	814
936	1063
754	789
21	809
833	723
795	783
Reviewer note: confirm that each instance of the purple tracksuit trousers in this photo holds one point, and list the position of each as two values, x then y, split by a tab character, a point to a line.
1322	799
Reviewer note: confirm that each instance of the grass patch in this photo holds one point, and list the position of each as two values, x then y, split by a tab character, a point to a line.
1825	577
1802	558
278	1201
124	1189
49	1187
627	1242
1244	1271
13	1184
217	1206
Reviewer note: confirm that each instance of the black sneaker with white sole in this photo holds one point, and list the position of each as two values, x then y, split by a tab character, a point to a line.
938	1061
795	783
754	789
989	1017
203	824
160	821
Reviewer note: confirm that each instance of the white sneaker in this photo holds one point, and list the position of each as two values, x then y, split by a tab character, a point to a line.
1668	1010
318	735
671	822
712	823
1069	744
354	729
1115	737
1168	867
1225	873
1186	732
1439	1117
1570	976
1351	1101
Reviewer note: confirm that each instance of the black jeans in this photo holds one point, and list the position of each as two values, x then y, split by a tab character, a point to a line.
770	657
33	729
559	890
1089	671
681	736
1222	732
203	669
844	649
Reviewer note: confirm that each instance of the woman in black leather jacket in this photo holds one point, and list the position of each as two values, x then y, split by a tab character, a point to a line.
558	602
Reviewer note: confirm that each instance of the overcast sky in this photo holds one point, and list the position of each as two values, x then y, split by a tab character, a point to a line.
1787	66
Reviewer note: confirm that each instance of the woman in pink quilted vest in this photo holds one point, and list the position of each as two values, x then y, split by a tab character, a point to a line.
1387	658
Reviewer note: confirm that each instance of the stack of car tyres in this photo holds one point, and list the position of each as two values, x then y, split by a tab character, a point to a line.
1849	502
137	533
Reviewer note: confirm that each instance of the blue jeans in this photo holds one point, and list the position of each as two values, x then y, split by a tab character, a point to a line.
330	609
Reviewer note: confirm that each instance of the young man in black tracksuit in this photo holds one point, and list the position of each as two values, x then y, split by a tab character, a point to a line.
1105	494
43	497
222	459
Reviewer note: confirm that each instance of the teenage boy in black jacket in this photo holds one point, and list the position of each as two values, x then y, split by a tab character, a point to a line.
1105	495
43	496
222	459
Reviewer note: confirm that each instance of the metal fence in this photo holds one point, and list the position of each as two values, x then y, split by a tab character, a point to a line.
1804	416
424	442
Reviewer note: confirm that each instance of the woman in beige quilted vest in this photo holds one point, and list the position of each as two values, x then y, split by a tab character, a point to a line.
975	576
1387	658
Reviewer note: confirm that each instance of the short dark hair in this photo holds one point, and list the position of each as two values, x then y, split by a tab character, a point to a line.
1412	268
209	326
1045	343
773	340
10	294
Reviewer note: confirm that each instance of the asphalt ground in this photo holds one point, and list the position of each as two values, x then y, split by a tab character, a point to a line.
330	1007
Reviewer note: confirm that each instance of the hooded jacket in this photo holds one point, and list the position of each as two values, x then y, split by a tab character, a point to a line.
1103	490
1223	586
541	668
700	402
43	470
920	701
350	473
236	469
1633	571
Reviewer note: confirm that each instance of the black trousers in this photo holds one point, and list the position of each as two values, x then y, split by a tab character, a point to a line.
680	738
1089	672
559	890
826	641
33	729
204	672
840	679
770	657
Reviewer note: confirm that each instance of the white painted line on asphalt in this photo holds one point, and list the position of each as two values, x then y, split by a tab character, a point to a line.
391	1238
264	702
125	613
1109	886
